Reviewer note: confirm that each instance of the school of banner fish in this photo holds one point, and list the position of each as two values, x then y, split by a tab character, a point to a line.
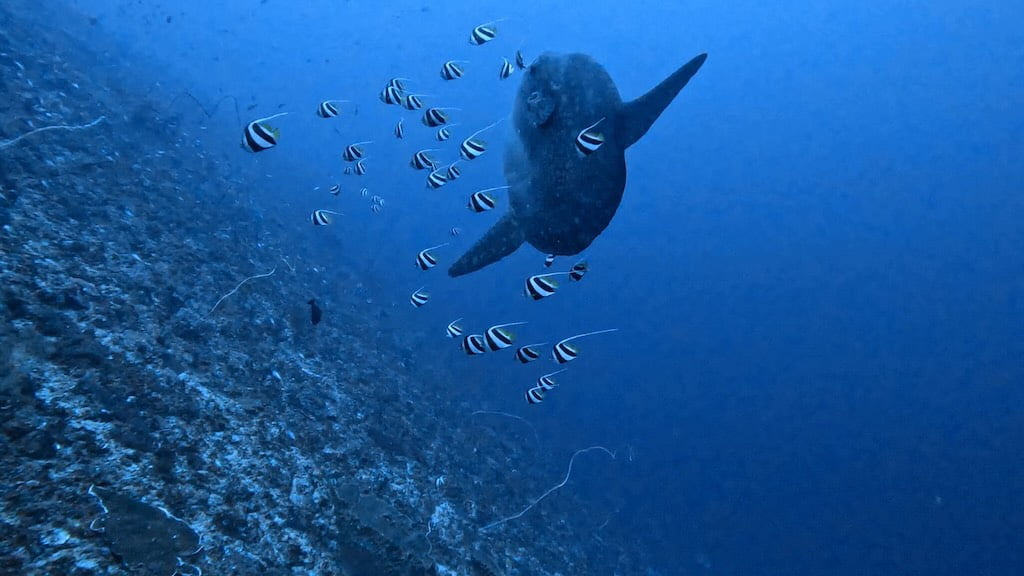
260	135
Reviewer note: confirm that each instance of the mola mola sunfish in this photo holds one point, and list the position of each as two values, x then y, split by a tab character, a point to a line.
560	198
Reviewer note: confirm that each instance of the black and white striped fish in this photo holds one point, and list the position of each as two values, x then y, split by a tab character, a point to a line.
546	382
355	151
499	337
377	200
473	344
364	192
329	108
452	69
535	395
399	130
541	285
360	168
259	135
376	208
454	329
529	353
322	217
436	116
565	352
520	60
472	147
484	33
425	259
481	201
506	69
589	139
334	190
413	101
549	260
437	178
578	270
453	172
422	160
419	297
444	133
455	231
391	95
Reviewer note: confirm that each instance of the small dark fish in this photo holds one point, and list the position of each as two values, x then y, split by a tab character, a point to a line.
444	132
520	60
578	270
549	260
315	312
334	190
399	131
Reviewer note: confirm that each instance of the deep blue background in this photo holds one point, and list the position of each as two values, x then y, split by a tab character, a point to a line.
816	269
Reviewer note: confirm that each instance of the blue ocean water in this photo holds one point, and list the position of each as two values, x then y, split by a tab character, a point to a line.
816	271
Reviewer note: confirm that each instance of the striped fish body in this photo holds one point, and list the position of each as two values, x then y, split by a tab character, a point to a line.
259	137
327	110
426	260
419	298
549	260
391	95
506	69
451	70
482	202
499	338
434	117
453	172
473	345
472	148
538	287
436	179
454	330
422	160
527	354
360	169
443	134
564	352
399	130
578	270
483	34
320	218
335	190
535	395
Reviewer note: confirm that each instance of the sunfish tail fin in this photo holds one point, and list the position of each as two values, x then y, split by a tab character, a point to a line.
638	116
501	240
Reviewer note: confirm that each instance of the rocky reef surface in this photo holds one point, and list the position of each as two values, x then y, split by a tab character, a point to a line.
144	430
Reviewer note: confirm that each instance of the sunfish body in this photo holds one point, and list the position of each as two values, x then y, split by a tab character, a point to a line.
561	199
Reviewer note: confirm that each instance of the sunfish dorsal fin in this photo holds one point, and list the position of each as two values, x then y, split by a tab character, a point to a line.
501	240
637	116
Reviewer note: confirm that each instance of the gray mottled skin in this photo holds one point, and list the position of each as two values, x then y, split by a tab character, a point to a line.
559	200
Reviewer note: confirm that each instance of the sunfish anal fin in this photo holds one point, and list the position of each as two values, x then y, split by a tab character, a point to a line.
637	116
501	240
